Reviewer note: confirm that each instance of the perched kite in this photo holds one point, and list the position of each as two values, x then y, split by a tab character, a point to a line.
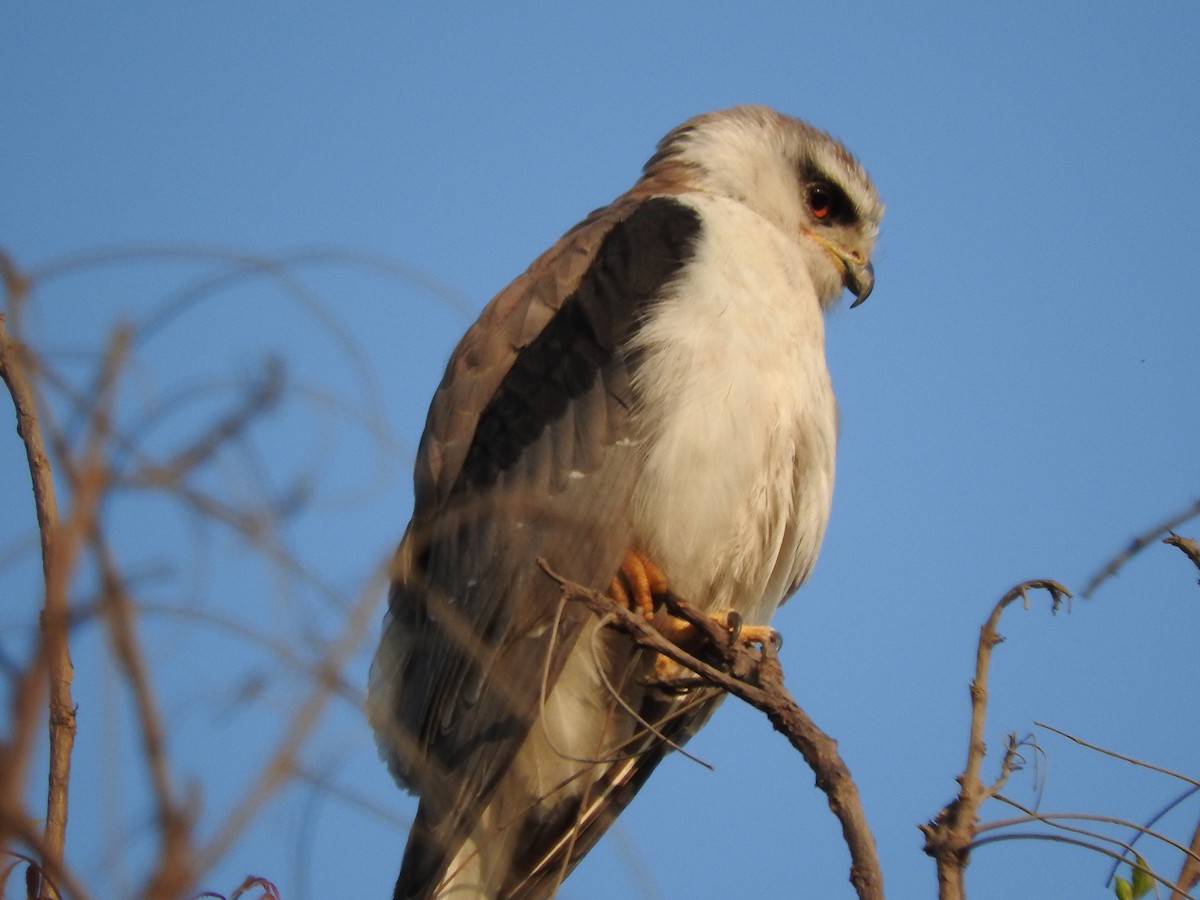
649	400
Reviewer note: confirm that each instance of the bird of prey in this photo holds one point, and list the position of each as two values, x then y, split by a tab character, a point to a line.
648	401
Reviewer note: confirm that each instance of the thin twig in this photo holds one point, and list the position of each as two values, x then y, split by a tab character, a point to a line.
1138	544
763	689
1063	839
284	653
1056	820
259	398
1121	756
173	869
1051	819
1189	873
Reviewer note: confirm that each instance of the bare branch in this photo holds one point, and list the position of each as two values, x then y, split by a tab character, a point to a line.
258	399
949	837
15	372
60	544
1136	546
759	682
173	872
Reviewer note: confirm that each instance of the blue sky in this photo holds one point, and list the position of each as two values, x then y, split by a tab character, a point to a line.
1018	396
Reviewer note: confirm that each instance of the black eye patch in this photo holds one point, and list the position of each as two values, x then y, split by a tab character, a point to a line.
829	204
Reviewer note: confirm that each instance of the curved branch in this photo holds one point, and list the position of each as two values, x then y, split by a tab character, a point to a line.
762	687
1058	820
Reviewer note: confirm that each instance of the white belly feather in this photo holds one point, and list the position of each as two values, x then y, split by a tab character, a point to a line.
739	419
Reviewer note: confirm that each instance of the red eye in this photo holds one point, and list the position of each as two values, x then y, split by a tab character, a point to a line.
820	201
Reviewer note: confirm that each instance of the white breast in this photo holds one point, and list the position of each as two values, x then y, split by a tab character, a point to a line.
738	418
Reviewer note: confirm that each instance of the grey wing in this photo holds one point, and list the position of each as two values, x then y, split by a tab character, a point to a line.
528	452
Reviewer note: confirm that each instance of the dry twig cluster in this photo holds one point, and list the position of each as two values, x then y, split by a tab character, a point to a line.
88	450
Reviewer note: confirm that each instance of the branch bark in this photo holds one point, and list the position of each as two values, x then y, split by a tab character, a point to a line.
51	658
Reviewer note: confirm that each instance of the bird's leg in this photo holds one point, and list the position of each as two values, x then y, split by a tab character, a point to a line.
637	584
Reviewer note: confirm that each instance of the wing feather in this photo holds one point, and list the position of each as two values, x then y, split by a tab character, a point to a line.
528	452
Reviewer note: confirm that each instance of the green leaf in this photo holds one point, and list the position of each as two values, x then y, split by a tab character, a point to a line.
1123	889
1143	883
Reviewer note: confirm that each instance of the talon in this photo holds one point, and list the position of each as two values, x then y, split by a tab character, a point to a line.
733	623
638	584
764	635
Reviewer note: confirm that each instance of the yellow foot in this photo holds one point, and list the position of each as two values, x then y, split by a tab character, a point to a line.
726	625
641	586
726	628
637	583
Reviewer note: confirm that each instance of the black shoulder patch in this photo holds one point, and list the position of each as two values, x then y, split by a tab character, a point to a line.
636	257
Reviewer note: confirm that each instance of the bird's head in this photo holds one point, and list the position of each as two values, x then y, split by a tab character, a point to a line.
793	174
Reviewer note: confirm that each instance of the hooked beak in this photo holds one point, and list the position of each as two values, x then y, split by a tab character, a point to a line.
858	275
860	279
